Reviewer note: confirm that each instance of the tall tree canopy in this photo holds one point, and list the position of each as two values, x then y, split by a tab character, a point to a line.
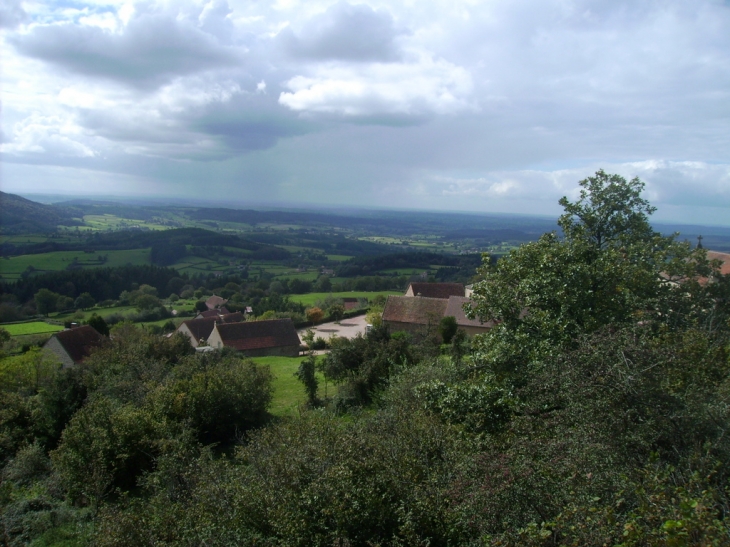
609	267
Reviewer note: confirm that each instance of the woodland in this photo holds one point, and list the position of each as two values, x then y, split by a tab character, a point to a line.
595	412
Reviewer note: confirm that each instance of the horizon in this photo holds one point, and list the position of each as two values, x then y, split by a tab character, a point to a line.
497	108
342	210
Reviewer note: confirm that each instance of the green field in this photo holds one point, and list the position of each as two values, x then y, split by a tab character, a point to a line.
288	391
113	222
311	298
11	268
35	327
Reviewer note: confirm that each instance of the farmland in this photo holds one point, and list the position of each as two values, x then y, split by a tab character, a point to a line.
33	327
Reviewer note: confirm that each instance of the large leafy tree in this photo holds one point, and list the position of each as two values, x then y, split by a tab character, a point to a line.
609	267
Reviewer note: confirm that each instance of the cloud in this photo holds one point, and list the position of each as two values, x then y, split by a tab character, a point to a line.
345	32
49	136
499	106
151	49
415	90
12	14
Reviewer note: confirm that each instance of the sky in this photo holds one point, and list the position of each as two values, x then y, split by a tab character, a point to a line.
495	106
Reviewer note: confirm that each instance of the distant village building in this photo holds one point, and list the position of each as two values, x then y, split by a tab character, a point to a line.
424	305
72	346
212	313
419	314
257	338
215	301
455	309
198	330
435	290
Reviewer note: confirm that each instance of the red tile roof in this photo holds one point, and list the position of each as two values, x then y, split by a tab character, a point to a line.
259	334
722	257
437	290
79	342
213	312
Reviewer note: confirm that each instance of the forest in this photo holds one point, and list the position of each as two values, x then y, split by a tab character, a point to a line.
595	412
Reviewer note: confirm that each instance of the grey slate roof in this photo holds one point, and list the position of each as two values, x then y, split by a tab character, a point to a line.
414	309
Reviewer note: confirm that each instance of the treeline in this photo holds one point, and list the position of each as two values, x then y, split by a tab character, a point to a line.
134	239
100	283
369	265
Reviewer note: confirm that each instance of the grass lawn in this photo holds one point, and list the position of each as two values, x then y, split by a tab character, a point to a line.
36	327
311	298
288	391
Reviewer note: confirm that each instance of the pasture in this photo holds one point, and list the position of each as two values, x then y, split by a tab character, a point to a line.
11	268
33	327
289	392
312	298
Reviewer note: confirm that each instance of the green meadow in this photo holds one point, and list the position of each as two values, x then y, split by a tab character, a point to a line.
289	393
34	327
11	268
311	298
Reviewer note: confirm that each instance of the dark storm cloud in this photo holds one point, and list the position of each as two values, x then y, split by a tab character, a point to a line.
345	32
153	49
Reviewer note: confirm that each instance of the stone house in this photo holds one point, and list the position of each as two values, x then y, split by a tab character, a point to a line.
198	330
72	346
257	338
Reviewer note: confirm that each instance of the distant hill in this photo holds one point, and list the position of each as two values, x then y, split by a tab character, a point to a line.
20	216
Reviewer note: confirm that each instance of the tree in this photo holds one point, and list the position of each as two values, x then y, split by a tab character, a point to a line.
45	301
307	376
314	315
448	328
337	311
99	324
610	267
84	301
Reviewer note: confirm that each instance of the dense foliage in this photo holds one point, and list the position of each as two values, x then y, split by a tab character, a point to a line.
595	413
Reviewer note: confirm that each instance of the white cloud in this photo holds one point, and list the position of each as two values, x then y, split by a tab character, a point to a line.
52	136
416	89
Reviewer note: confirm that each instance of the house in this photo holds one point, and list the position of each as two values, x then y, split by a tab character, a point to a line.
455	308
212	313
405	313
724	258
435	290
350	303
198	330
214	302
422	314
72	346
257	338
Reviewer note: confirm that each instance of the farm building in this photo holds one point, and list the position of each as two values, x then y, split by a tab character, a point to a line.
257	338
413	314
422	315
214	302
198	330
72	346
212	313
435	290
